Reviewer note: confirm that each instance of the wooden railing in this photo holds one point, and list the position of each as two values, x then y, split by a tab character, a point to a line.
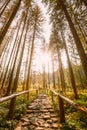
61	100
3	99
12	96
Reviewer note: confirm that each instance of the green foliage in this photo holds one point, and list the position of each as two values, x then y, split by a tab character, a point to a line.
55	106
75	120
7	124
4	110
21	106
82	100
65	126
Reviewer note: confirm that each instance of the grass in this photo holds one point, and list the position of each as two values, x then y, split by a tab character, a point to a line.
75	120
82	100
21	106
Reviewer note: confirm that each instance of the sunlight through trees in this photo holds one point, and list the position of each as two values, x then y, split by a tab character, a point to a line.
43	44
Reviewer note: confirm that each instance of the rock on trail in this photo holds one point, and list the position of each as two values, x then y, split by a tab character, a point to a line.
39	116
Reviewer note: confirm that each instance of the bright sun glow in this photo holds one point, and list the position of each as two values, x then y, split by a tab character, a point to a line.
45	58
46	61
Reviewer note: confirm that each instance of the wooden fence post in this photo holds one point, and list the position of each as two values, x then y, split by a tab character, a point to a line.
12	108
36	92
61	109
28	95
52	96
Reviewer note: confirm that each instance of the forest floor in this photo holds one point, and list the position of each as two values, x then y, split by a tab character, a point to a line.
75	120
43	112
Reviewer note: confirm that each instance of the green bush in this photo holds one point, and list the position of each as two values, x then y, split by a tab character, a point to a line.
21	106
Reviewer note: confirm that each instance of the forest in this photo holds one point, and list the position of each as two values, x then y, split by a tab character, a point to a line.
43	49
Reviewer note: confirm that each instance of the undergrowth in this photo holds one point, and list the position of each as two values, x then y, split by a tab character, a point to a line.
75	120
82	100
21	106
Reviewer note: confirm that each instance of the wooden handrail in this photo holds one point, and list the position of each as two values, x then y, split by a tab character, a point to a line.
61	106
13	97
3	99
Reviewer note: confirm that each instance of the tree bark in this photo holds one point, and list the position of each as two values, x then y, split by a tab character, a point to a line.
3	7
76	38
62	79
7	24
14	60
53	73
85	2
14	87
31	55
70	68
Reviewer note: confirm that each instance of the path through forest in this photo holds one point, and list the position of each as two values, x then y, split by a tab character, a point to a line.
39	116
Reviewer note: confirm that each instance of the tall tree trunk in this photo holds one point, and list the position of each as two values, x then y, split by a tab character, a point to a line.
26	67
3	7
82	33
53	73
14	59
2	57
4	47
85	2
44	77
48	76
8	22
14	87
58	80
62	79
6	71
70	67
5	67
76	38
31	55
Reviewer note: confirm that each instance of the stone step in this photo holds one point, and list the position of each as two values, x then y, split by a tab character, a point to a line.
39	116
